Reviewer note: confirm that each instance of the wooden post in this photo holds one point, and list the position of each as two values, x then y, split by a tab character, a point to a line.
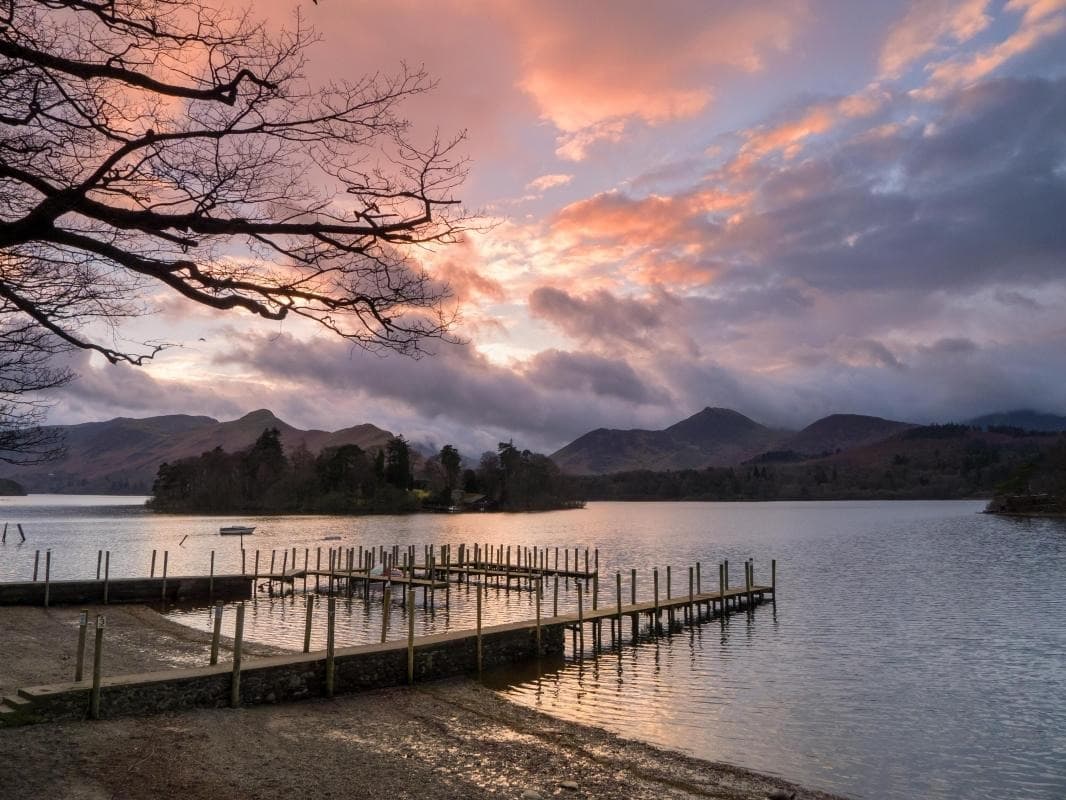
243	557
411	635
773	579
99	561
307	622
211	580
107	576
698	589
306	554
479	588
79	666
37	562
22	535
318	565
98	665
721	589
537	592
556	559
597	561
618	597
255	570
166	556
238	637
151	573
586	562
386	607
580	622
655	616
691	592
47	576
726	567
555	597
216	632
331	630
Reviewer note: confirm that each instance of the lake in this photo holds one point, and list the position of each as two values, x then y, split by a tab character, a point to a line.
917	649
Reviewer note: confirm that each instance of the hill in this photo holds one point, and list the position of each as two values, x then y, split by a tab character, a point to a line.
122	455
712	437
842	432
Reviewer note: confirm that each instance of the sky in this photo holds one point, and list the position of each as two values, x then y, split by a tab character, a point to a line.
791	208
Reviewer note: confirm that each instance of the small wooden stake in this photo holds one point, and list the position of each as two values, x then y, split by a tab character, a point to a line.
411	635
98	665
83	624
47	576
307	622
537	590
216	632
479	588
211	579
331	629
580	623
151	572
166	556
107	575
386	606
37	562
238	641
655	619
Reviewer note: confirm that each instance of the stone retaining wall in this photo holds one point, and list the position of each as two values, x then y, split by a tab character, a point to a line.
284	678
128	590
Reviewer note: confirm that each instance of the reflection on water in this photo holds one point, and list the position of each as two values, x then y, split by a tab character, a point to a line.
917	649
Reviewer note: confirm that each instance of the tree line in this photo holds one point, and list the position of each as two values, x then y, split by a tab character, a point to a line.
347	479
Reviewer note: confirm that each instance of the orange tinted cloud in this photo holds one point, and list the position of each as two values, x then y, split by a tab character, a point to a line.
926	26
1041	19
590	68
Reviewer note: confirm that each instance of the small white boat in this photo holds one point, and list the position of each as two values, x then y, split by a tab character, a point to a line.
236	530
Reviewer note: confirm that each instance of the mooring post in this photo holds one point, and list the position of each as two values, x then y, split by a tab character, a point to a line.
22	536
107	576
98	667
216	632
307	553
211	579
479	588
537	592
99	561
238	641
726	567
386	607
411	635
721	589
151	571
3	538
773	579
618	597
331	630
166	556
655	608
307	622
555	597
580	622
47	576
37	561
243	560
79	665
691	592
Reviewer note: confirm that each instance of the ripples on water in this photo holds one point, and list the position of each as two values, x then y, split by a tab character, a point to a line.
917	649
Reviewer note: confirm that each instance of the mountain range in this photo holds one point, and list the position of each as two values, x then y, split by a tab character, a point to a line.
721	437
122	455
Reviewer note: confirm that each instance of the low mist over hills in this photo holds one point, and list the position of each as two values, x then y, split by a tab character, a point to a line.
122	455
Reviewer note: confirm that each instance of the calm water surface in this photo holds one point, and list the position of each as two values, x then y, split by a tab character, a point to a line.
918	649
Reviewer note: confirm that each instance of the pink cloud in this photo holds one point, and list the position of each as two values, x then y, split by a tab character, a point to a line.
926	26
545	182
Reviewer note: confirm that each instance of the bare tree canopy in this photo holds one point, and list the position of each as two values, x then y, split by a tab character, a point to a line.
26	351
147	142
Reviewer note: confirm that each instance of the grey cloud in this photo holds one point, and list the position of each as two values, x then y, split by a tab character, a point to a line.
557	369
600	315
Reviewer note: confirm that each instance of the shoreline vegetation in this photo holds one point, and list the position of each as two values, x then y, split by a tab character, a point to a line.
947	462
265	479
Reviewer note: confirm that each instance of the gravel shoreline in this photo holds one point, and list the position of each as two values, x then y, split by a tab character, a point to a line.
447	739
